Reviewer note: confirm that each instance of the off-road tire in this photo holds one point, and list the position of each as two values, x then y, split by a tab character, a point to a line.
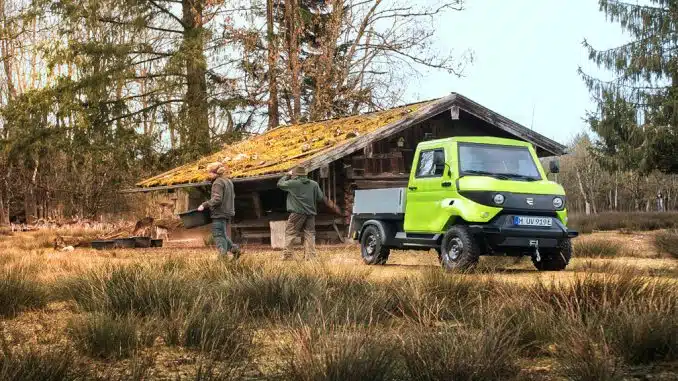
554	259
459	250
372	248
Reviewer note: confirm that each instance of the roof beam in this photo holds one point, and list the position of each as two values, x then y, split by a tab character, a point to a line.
201	184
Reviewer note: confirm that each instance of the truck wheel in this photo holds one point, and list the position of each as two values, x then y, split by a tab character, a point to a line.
555	259
371	248
459	250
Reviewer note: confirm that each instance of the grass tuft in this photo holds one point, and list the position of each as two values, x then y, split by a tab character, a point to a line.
453	353
33	365
666	242
644	337
103	336
19	292
338	353
583	358
596	248
218	331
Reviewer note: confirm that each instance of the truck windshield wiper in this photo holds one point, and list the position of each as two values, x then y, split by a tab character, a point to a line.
518	175
500	176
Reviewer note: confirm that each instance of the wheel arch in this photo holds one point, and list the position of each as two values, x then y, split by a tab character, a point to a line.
386	230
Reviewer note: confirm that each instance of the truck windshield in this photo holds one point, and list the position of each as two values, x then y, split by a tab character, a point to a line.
504	162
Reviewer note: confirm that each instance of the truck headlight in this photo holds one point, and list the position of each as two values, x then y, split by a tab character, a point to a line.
558	202
499	199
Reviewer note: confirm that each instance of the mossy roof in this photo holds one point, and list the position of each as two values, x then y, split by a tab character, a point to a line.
283	148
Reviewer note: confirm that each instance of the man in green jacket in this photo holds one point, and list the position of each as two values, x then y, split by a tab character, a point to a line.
302	196
222	209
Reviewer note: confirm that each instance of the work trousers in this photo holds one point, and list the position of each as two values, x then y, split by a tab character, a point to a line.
296	224
223	243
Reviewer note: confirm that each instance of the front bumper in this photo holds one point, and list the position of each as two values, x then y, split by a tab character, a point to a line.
501	233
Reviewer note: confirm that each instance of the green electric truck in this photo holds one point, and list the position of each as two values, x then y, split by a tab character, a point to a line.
466	197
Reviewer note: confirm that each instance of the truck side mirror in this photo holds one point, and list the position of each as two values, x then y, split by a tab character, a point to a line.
554	166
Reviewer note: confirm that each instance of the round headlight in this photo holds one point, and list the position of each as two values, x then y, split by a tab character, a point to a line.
498	198
557	202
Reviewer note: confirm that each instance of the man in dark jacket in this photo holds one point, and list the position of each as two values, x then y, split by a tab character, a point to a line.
221	206
302	196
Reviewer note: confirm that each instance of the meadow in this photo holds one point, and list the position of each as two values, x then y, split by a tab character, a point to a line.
181	313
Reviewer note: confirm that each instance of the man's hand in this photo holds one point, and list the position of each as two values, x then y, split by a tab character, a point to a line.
201	208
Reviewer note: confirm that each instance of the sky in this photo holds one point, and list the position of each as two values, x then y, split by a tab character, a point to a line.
526	55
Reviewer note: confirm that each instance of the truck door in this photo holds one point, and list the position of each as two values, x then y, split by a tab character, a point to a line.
429	183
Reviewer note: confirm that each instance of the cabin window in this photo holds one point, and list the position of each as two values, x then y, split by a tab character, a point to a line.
431	163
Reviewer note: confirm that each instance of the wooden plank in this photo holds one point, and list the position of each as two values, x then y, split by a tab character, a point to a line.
256	200
454	112
336	229
389	155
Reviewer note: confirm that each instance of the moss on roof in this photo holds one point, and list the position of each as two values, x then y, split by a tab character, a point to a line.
282	148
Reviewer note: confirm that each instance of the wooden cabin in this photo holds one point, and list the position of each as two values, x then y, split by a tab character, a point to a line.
366	151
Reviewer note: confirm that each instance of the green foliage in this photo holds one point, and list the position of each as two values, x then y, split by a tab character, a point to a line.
638	105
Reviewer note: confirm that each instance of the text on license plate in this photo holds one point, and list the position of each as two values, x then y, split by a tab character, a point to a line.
532	221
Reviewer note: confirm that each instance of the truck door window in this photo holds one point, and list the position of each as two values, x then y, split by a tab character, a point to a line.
431	163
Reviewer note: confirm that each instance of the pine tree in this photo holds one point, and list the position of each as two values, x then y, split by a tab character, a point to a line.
646	78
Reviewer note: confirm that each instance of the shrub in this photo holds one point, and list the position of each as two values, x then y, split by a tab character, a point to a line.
450	353
19	292
596	248
340	354
637	221
53	365
666	242
103	336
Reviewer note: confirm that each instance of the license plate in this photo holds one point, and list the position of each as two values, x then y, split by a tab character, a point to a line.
532	221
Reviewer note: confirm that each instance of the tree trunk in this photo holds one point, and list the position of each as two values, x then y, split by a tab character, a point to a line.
273	116
616	191
583	193
198	132
4	216
293	27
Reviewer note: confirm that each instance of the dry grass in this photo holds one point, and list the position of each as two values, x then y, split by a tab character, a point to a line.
596	248
666	242
180	313
612	221
19	292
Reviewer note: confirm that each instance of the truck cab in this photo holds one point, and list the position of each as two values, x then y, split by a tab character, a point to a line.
466	197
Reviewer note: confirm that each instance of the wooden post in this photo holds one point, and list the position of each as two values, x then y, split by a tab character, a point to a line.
256	200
